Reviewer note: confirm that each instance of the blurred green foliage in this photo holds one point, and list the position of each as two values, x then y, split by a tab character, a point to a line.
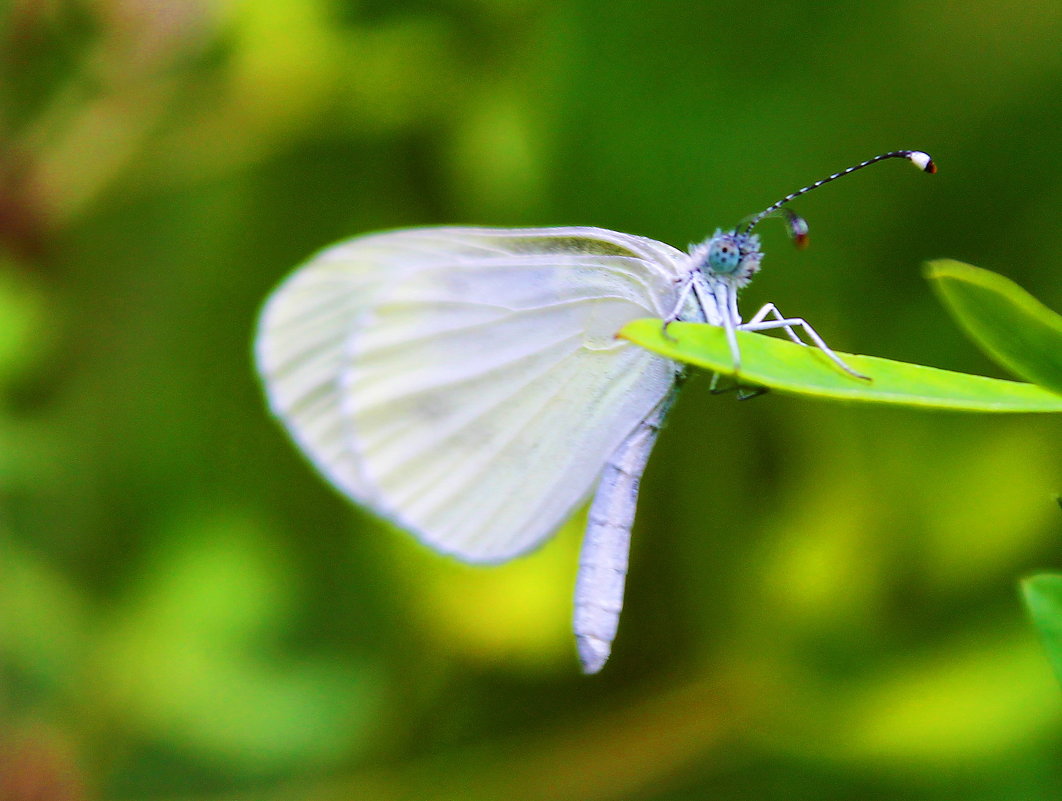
822	599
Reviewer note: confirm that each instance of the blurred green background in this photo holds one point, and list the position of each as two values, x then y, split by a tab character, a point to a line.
822	602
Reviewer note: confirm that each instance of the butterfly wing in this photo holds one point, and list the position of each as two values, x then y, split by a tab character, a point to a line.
466	382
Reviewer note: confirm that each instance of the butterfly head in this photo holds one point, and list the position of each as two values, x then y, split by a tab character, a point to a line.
729	255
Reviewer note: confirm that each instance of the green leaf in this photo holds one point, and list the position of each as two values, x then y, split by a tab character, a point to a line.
1043	599
1008	323
788	367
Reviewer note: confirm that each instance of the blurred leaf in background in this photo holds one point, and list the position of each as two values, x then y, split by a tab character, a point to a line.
1012	326
821	600
1043	597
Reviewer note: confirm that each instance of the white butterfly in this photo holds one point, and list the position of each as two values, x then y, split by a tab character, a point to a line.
466	383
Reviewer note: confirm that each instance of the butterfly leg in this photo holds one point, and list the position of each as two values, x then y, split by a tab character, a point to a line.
746	392
726	304
790	323
770	310
676	312
742	391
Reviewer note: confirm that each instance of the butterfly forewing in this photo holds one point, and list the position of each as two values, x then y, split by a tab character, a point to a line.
466	383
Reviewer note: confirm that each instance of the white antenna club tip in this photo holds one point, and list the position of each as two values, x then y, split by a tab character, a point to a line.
922	161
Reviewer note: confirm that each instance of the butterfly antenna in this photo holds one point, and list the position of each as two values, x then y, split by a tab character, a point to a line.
798	227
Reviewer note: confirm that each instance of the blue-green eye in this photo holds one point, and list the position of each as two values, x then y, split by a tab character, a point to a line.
724	256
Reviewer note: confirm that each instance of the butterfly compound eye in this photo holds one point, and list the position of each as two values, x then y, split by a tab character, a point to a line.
724	255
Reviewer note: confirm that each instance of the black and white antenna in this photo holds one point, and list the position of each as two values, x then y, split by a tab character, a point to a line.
798	228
